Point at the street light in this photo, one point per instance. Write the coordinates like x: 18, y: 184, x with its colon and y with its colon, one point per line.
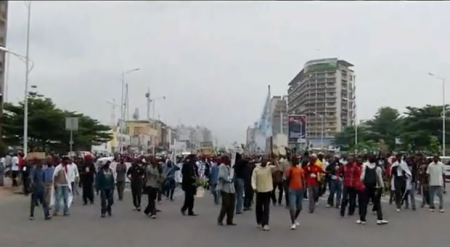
x: 322, y: 118
x: 28, y: 69
x: 442, y: 79
x: 122, y: 104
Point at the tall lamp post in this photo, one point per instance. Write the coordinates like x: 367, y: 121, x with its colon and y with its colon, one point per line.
x: 29, y: 65
x: 442, y: 79
x: 122, y: 104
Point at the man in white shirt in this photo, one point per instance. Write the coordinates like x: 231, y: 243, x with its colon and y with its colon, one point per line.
x: 15, y: 169
x: 74, y: 177
x: 436, y: 176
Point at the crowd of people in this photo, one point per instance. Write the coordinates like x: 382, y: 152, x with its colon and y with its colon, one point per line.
x: 240, y: 183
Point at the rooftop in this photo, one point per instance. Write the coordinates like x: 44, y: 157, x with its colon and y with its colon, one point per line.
x: 296, y: 78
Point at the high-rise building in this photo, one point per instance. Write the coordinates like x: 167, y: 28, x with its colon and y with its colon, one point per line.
x: 324, y: 90
x: 278, y: 113
x: 3, y: 31
x: 251, y: 139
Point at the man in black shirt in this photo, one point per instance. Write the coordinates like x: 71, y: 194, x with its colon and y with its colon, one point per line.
x: 188, y: 184
x: 136, y: 175
x: 87, y: 174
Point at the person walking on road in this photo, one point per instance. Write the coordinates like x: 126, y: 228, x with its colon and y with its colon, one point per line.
x: 154, y: 178
x: 38, y: 178
x: 294, y: 181
x: 262, y: 184
x: 436, y: 174
x: 136, y: 174
x: 63, y: 188
x: 189, y: 184
x: 104, y: 185
x: 371, y: 189
x: 121, y: 170
x: 87, y: 175
x: 226, y: 187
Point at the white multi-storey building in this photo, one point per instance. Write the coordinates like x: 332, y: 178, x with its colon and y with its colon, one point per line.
x: 324, y: 90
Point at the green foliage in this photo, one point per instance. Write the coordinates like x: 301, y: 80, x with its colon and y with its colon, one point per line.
x: 417, y: 129
x: 46, y: 126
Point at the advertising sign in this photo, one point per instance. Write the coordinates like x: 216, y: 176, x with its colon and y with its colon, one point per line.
x: 296, y: 128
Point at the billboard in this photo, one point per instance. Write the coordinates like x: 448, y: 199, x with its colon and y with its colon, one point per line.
x: 296, y: 128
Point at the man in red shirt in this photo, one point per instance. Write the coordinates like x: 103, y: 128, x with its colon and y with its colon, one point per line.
x: 350, y: 174
x: 312, y: 174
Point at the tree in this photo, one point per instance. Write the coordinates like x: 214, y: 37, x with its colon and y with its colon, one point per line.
x: 46, y: 126
x: 384, y: 126
x: 422, y: 127
x: 417, y: 129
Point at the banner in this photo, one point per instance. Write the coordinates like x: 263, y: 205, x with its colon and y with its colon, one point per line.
x: 296, y: 128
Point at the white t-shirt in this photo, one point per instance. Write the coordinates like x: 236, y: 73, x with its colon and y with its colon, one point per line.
x: 436, y: 172
x: 15, y: 163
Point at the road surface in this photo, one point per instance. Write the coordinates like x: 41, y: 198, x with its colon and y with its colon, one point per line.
x: 130, y: 228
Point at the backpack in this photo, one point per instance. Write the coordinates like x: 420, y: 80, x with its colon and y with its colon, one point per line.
x: 371, y: 177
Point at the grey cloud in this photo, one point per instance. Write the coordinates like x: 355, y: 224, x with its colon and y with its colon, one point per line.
x: 214, y: 60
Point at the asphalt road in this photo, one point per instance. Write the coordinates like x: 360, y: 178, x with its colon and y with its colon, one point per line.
x: 129, y: 228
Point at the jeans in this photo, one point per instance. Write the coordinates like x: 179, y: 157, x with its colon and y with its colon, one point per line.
x: 39, y: 197
x: 228, y: 204
x: 88, y: 192
x: 295, y: 199
x: 239, y: 187
x: 281, y: 186
x: 215, y: 193
x: 262, y: 208
x: 169, y: 188
x: 62, y: 194
x: 189, y: 199
x: 120, y: 188
x: 436, y: 190
x: 370, y: 194
x: 136, y: 194
x: 335, y: 187
x: 425, y: 195
x: 411, y: 196
x: 106, y: 200
x: 152, y: 194
x: 313, y: 191
x: 348, y: 197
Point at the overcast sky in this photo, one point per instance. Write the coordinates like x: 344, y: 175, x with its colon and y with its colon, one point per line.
x: 213, y: 61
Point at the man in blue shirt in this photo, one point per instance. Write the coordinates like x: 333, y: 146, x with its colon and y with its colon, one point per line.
x: 39, y: 177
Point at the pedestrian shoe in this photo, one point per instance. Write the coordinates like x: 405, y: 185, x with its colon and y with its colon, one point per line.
x: 48, y: 217
x: 432, y: 210
x: 328, y: 206
x: 360, y: 222
x: 382, y: 222
x: 266, y: 228
x: 31, y: 217
x: 441, y: 210
x: 152, y: 216
x: 220, y: 223
x: 231, y: 224
x: 238, y: 212
x: 293, y: 226
x: 397, y: 210
x: 102, y: 215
